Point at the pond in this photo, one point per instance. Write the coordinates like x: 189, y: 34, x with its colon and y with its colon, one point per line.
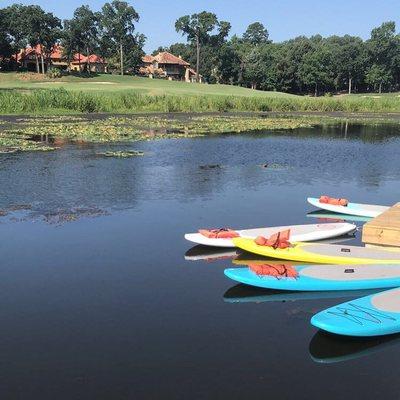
x: 101, y: 296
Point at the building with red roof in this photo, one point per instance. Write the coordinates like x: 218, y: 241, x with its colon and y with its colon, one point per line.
x: 168, y: 66
x: 29, y: 57
x: 93, y: 63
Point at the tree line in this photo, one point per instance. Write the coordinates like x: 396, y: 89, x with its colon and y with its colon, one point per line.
x: 301, y: 65
x: 109, y: 33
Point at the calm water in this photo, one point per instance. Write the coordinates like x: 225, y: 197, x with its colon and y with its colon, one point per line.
x: 97, y: 300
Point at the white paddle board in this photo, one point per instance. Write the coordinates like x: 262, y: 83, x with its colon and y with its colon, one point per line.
x: 362, y: 210
x: 298, y: 233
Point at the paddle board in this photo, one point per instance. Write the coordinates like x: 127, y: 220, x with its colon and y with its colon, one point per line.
x: 362, y: 210
x: 299, y: 233
x: 323, y: 277
x: 374, y: 315
x: 323, y: 253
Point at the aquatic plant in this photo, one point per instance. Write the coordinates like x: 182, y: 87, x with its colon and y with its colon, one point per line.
x: 122, y: 154
x: 48, y: 132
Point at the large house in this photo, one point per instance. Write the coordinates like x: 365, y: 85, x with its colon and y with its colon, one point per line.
x: 166, y: 65
x: 93, y: 63
x: 29, y: 57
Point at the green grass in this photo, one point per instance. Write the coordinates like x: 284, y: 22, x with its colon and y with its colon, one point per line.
x: 116, y: 94
x: 114, y: 83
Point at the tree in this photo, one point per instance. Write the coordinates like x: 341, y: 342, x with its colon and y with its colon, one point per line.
x: 49, y: 35
x: 316, y: 68
x: 5, y: 45
x: 15, y: 27
x: 86, y: 26
x: 31, y: 25
x: 134, y: 51
x: 382, y: 49
x: 81, y: 33
x: 351, y: 60
x: 377, y: 76
x: 256, y: 34
x: 71, y: 40
x: 197, y: 28
x: 118, y: 23
x: 42, y: 30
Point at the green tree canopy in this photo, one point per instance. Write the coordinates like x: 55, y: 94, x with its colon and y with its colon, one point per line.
x: 256, y: 34
x: 197, y: 28
x: 81, y: 33
x: 117, y: 20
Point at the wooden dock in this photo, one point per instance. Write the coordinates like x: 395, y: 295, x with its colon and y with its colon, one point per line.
x: 383, y: 230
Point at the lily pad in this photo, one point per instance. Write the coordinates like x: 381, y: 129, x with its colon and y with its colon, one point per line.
x: 122, y: 154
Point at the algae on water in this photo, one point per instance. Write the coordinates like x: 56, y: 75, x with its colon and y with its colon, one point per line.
x: 121, y: 154
x: 45, y: 133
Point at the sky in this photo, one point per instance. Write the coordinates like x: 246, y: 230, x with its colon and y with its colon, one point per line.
x: 284, y: 19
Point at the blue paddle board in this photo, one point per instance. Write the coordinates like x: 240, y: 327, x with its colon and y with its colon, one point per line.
x: 323, y: 277
x: 374, y: 315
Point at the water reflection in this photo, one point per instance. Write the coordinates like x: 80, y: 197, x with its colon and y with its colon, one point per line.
x: 326, y: 348
x: 247, y: 294
x: 324, y: 216
x: 74, y: 177
x: 113, y: 299
x: 209, y: 254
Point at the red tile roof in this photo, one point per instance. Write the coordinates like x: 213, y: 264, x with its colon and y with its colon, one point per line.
x: 147, y: 59
x: 165, y: 58
x: 93, y: 58
x: 168, y: 58
x: 57, y: 54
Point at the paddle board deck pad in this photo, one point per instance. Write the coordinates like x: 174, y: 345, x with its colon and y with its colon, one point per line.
x: 323, y: 253
x: 362, y: 210
x: 374, y: 315
x: 298, y: 233
x: 323, y: 277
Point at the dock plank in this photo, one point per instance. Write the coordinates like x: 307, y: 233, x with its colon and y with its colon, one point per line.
x: 384, y: 230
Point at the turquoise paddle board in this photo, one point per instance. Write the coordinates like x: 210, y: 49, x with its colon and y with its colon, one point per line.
x: 374, y: 315
x: 323, y: 277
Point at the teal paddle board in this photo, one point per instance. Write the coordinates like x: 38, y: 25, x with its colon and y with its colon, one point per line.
x: 322, y: 277
x: 374, y: 315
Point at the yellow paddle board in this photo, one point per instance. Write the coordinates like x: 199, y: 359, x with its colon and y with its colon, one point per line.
x: 323, y: 253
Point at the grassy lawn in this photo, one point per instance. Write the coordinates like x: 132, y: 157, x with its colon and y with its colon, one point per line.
x: 115, y: 83
x: 34, y: 94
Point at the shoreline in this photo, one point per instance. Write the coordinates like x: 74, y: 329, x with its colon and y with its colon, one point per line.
x: 184, y: 115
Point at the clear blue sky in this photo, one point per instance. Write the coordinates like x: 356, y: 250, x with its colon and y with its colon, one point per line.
x: 284, y: 19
